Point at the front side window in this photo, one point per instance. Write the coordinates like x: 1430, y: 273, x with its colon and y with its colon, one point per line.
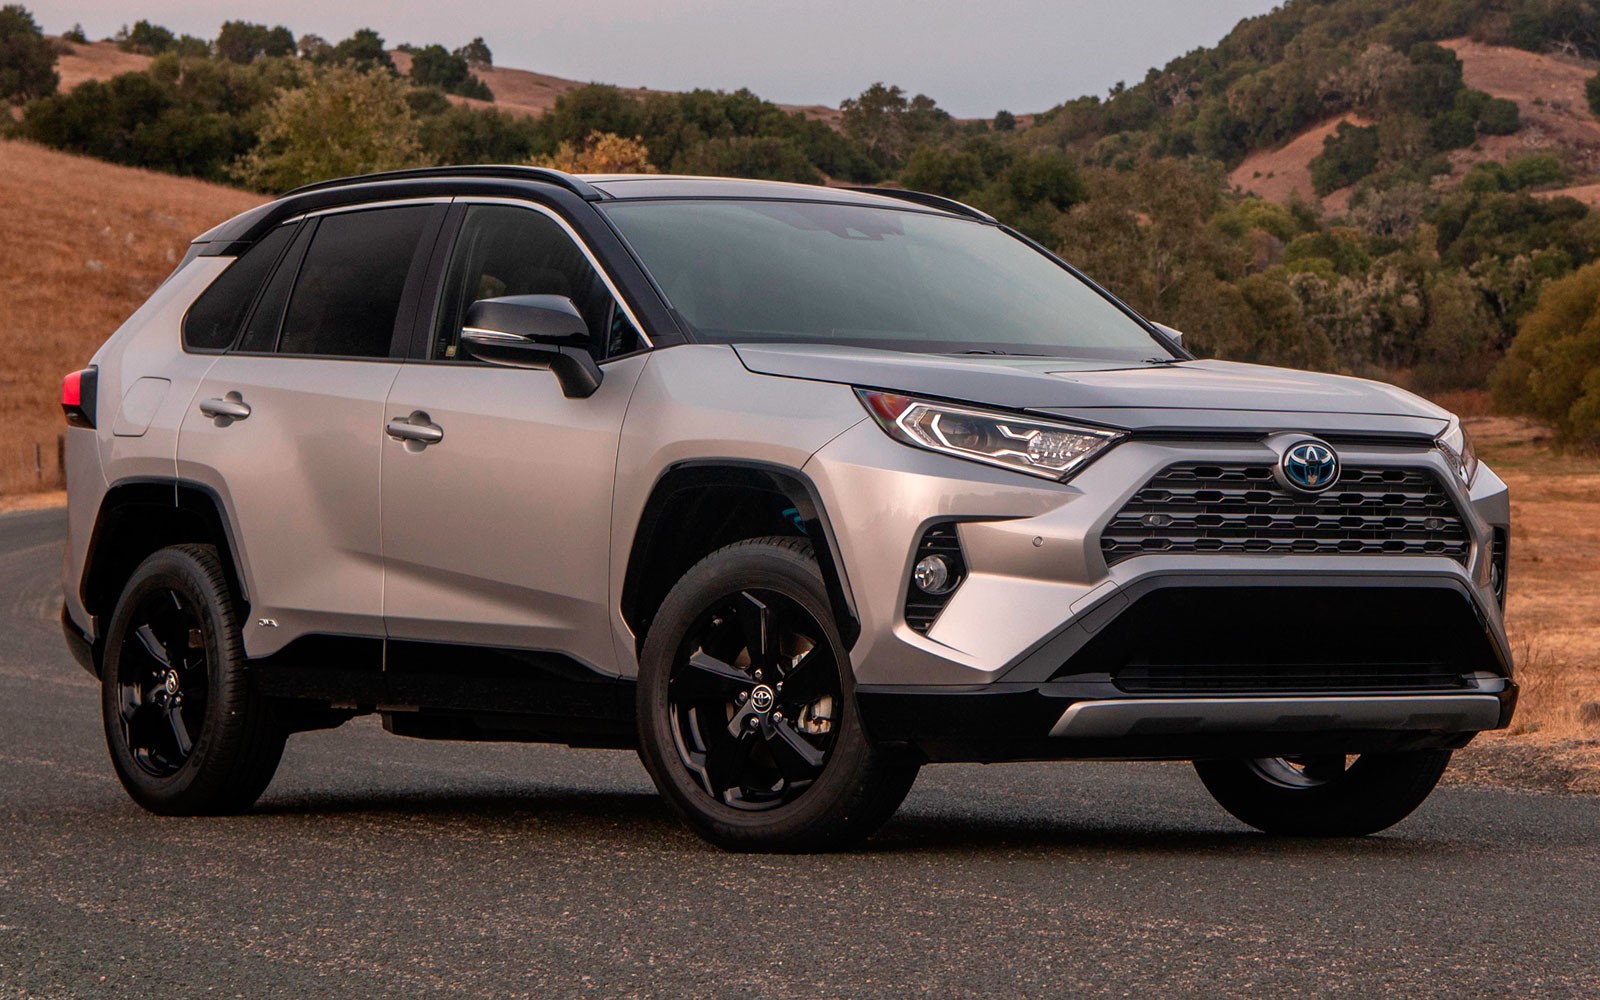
x: 504, y: 250
x: 858, y: 275
x: 213, y: 321
x: 347, y: 295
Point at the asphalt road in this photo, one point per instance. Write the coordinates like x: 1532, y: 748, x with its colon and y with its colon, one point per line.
x: 378, y: 866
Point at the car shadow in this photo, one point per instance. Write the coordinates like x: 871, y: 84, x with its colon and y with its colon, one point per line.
x: 624, y: 819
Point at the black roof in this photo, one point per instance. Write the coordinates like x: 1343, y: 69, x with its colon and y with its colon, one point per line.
x: 512, y: 181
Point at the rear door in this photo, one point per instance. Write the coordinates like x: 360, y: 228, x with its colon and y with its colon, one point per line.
x: 288, y: 425
x: 498, y: 534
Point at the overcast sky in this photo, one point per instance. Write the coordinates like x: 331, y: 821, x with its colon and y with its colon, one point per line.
x: 972, y: 57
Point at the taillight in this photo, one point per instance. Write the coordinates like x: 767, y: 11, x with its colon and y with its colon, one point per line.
x: 78, y: 396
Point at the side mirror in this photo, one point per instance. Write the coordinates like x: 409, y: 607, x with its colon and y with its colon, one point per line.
x: 1176, y: 335
x: 533, y: 331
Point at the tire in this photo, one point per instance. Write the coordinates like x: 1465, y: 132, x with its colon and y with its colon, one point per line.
x: 1321, y: 796
x: 711, y: 708
x: 158, y: 695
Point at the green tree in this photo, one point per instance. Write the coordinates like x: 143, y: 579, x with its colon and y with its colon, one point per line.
x: 476, y: 53
x: 146, y: 39
x: 1552, y: 370
x: 27, y: 59
x: 344, y: 122
x: 1004, y: 121
x: 1591, y: 90
x: 75, y: 35
x: 942, y: 171
x: 760, y: 157
x: 436, y: 66
x: 889, y: 124
x: 362, y: 51
x: 244, y: 42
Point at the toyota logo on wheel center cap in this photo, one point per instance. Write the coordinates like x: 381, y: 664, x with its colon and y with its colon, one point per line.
x: 761, y: 699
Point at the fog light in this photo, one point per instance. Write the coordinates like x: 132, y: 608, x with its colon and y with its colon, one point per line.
x: 933, y: 576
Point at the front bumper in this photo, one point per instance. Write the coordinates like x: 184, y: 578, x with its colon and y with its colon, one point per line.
x: 1014, y: 650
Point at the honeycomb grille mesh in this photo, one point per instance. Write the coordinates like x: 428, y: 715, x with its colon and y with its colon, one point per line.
x: 1195, y: 508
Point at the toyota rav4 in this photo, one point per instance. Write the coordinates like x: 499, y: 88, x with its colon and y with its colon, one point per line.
x: 792, y: 489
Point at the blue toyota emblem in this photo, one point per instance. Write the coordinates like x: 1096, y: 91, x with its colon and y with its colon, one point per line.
x: 1310, y: 466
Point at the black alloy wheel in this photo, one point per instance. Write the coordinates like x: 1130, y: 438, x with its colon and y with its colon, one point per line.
x: 163, y: 682
x: 746, y: 708
x: 187, y: 731
x: 753, y: 699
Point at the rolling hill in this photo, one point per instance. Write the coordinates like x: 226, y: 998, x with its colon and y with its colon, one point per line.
x: 82, y: 244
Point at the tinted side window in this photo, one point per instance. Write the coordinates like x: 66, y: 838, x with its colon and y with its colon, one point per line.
x: 504, y: 250
x: 348, y: 292
x: 213, y: 320
x: 261, y: 330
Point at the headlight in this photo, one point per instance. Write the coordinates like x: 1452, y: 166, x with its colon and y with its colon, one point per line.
x: 1457, y: 448
x: 1043, y: 448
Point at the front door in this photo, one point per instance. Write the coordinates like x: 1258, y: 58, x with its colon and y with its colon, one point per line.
x: 496, y: 536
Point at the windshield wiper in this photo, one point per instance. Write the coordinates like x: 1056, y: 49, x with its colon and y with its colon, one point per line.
x: 1159, y: 361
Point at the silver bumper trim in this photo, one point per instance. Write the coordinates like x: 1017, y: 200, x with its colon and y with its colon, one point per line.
x: 1452, y: 713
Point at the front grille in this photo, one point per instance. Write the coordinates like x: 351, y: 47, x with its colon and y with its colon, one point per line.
x: 1219, y: 678
x: 1198, y: 508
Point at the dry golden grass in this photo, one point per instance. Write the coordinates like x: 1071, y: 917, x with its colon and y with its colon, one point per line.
x: 95, y: 61
x: 1553, y: 612
x: 82, y: 245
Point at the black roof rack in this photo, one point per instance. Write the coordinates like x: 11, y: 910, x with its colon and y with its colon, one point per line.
x: 927, y: 201
x: 579, y: 187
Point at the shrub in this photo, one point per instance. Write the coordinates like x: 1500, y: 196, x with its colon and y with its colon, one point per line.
x: 1591, y: 90
x: 1536, y: 170
x: 1348, y: 155
x: 27, y: 58
x: 1552, y: 370
x: 1499, y: 117
x: 600, y: 153
x: 75, y: 34
x: 1004, y: 121
x: 1452, y: 130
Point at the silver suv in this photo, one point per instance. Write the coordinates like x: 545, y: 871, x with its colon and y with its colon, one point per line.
x: 793, y: 489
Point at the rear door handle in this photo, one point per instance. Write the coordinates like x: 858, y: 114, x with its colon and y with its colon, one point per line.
x: 230, y: 407
x: 416, y: 427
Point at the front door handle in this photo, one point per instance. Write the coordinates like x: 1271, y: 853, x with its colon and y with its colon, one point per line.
x: 229, y: 408
x: 415, y: 428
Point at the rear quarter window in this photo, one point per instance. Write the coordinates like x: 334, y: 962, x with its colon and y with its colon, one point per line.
x: 213, y: 321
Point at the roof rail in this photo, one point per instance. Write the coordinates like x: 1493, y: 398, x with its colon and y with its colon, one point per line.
x: 927, y: 201
x: 581, y: 188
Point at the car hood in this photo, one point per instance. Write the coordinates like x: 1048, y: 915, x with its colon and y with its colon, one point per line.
x: 1181, y: 396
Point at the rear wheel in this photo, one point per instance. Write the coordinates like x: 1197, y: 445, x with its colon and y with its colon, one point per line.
x: 1326, y: 795
x: 747, y: 718
x: 186, y: 733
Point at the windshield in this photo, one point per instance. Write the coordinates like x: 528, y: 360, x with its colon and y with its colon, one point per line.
x: 786, y: 272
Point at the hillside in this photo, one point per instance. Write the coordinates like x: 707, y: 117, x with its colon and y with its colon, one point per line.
x: 82, y: 244
x: 1555, y: 118
x: 517, y: 91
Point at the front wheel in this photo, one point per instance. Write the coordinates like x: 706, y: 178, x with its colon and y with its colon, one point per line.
x: 1324, y: 795
x: 747, y: 718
